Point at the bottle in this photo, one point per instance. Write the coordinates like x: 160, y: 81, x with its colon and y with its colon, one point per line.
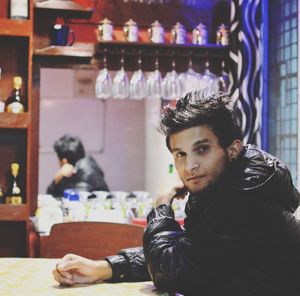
x: 76, y: 208
x: 1, y: 195
x: 19, y: 9
x: 14, y: 195
x: 15, y: 103
x: 2, y: 104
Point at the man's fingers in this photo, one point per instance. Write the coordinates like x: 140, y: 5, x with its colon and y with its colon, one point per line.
x: 68, y: 265
x: 69, y: 261
x: 61, y: 279
x: 181, y: 192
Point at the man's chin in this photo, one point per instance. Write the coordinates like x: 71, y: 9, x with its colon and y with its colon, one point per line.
x: 196, y: 190
x: 199, y: 190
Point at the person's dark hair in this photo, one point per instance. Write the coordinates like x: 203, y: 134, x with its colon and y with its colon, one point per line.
x: 70, y: 148
x: 197, y: 109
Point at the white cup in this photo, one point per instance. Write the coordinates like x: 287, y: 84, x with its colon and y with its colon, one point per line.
x: 2, y: 106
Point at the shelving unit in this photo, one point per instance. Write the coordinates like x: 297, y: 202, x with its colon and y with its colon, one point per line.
x: 10, y: 27
x: 14, y: 213
x: 166, y: 53
x: 18, y: 136
x: 63, y: 8
x: 81, y: 53
x: 14, y: 121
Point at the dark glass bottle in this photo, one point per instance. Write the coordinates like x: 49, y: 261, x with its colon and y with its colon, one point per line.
x: 15, y: 103
x: 1, y: 195
x: 14, y: 194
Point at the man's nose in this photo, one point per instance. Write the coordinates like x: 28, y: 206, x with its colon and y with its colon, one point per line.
x: 192, y: 163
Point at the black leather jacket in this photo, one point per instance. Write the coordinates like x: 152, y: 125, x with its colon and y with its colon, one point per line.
x: 240, y: 238
x: 88, y: 177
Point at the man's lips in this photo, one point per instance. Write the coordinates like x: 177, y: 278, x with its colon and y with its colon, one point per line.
x: 194, y: 178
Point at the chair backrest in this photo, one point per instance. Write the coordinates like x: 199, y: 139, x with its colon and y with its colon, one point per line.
x: 94, y: 240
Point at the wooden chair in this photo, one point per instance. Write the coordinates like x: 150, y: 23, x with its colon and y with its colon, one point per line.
x: 94, y: 240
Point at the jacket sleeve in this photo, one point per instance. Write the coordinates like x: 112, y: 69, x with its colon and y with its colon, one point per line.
x: 129, y: 265
x: 56, y: 189
x: 182, y: 262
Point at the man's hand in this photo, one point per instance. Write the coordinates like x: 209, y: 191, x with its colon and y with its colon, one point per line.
x: 178, y: 192
x: 74, y: 269
x: 67, y: 170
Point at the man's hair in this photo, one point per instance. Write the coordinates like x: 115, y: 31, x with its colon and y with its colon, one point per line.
x: 196, y: 109
x: 69, y: 147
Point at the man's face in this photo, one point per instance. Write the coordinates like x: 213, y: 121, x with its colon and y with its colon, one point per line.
x: 199, y: 159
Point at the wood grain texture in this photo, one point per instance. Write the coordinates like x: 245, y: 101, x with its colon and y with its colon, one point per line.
x: 94, y: 240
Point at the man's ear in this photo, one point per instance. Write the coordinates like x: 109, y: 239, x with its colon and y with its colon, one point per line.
x: 234, y: 149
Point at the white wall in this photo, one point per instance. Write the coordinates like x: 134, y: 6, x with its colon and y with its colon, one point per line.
x: 157, y: 155
x: 111, y: 131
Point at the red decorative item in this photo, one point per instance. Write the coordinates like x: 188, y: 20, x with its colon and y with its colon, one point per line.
x: 85, y: 3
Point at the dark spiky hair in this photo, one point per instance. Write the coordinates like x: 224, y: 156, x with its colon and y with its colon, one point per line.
x: 195, y: 108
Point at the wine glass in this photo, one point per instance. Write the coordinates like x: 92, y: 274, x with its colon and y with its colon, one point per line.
x: 209, y: 81
x: 223, y: 80
x: 103, y: 86
x: 154, y: 82
x: 137, y: 87
x: 171, y: 87
x: 120, y: 86
x: 189, y: 80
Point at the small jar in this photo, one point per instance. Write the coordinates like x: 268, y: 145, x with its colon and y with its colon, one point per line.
x: 131, y: 31
x: 105, y: 29
x: 156, y: 33
x: 222, y: 35
x: 200, y: 35
x: 178, y: 34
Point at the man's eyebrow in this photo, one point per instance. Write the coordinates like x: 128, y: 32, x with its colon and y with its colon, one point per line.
x: 204, y: 141
x: 175, y: 149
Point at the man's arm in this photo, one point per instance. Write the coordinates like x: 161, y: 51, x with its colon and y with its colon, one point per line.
x: 180, y: 261
x: 61, y: 180
x: 128, y: 265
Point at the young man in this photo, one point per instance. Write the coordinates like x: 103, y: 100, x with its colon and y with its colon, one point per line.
x: 240, y: 235
x: 77, y: 170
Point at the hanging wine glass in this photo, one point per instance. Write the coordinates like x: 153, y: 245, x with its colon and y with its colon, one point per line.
x: 209, y: 81
x: 171, y: 87
x: 103, y: 86
x: 137, y: 89
x: 154, y: 82
x: 189, y: 80
x: 120, y: 87
x: 223, y: 80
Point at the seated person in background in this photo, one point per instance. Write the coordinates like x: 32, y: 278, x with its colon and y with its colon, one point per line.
x: 76, y: 170
x: 240, y: 236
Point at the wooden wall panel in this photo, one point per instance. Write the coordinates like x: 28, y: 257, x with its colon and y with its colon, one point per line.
x: 13, y: 239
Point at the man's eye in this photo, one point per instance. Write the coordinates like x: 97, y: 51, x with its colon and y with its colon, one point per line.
x: 179, y: 155
x: 201, y: 149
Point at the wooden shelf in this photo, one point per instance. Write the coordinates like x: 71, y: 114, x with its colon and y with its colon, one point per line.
x: 10, y: 27
x: 79, y: 50
x: 79, y: 53
x: 63, y: 9
x: 13, y: 120
x: 13, y: 212
x: 166, y: 53
x: 168, y: 49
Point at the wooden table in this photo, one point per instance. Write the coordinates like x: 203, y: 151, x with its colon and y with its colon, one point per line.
x: 31, y: 277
